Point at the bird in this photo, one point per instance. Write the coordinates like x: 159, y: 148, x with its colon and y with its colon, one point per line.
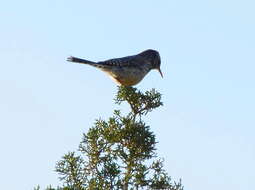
x: 129, y: 70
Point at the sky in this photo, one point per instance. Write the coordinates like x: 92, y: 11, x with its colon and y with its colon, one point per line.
x: 205, y: 130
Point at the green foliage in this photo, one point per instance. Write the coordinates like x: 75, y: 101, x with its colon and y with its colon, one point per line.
x: 71, y: 170
x: 118, y: 153
x: 140, y: 103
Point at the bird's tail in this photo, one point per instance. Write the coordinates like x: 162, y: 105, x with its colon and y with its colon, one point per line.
x: 78, y: 60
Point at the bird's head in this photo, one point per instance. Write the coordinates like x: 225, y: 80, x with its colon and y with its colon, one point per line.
x: 153, y: 58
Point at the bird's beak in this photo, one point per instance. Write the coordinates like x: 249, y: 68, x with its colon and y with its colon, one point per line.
x: 160, y: 72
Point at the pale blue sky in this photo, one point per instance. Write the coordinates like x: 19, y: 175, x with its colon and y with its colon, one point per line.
x: 206, y: 127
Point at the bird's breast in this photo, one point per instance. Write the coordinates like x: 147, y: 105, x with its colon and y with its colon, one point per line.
x: 127, y: 76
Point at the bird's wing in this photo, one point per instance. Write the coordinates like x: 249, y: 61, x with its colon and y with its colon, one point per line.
x: 129, y: 61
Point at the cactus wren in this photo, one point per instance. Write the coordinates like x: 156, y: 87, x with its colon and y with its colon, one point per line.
x: 127, y: 71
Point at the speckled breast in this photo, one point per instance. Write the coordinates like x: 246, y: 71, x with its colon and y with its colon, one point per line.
x: 127, y: 77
